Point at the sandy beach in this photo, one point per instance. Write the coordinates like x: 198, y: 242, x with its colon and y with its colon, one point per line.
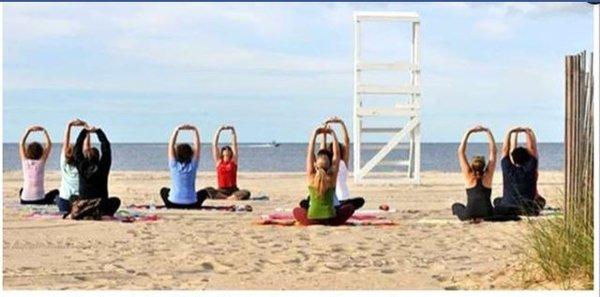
x: 427, y: 249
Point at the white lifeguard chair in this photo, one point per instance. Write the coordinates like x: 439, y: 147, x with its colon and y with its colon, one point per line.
x: 405, y: 114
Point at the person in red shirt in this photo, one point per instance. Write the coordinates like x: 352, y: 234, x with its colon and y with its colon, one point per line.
x: 226, y: 164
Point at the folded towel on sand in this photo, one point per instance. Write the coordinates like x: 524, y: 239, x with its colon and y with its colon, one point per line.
x: 284, y: 218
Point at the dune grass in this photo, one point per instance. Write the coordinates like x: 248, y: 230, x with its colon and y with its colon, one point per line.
x: 559, y: 252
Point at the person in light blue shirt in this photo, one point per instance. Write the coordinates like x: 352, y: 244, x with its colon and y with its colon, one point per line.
x: 183, y: 165
x: 69, y: 182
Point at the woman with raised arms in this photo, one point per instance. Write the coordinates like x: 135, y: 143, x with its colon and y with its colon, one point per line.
x: 321, y: 176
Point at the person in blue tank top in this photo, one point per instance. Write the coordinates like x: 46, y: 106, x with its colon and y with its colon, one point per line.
x: 183, y: 165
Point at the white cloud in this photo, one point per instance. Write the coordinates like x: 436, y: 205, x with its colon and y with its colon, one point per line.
x: 493, y: 28
x: 537, y: 9
x: 34, y: 28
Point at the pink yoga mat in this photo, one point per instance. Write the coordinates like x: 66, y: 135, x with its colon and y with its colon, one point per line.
x: 284, y: 218
x: 289, y: 215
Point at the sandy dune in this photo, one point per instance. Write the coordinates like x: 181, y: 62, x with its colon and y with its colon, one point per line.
x: 207, y: 250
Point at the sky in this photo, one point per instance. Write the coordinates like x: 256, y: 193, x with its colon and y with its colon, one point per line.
x: 276, y: 70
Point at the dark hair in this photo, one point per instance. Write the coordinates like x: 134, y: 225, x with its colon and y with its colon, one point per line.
x: 34, y: 151
x: 326, y: 153
x: 340, y: 147
x: 520, y: 155
x: 183, y: 153
x: 69, y: 156
x: 478, y: 166
x: 226, y: 148
x: 92, y: 154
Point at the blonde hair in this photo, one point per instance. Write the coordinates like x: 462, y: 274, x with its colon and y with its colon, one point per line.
x: 321, y: 180
x: 478, y: 166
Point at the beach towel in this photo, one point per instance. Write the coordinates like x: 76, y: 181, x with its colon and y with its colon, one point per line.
x: 359, y: 218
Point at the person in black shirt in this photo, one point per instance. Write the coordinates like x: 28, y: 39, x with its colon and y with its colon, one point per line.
x: 478, y: 180
x: 93, y: 171
x: 519, y: 174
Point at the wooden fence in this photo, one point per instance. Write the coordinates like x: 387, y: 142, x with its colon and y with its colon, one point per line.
x: 579, y: 139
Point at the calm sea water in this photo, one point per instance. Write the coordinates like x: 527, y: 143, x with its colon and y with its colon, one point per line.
x: 288, y: 157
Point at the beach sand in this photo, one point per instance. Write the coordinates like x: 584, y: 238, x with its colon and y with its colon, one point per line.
x: 427, y: 249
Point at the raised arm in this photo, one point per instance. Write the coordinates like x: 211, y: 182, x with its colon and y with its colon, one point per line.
x: 67, y: 135
x: 346, y: 152
x: 492, y: 150
x: 506, y: 146
x: 215, y: 147
x: 197, y: 144
x: 67, y: 138
x: 47, y: 145
x: 22, y: 146
x: 234, y: 144
x: 336, y: 151
x: 78, y: 149
x: 462, y: 151
x: 87, y: 144
x: 104, y: 147
x: 323, y: 145
x: 514, y: 141
x: 531, y: 142
x: 310, y: 153
x: 172, y: 143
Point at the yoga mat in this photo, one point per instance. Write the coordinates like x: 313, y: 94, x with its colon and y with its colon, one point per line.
x: 360, y: 211
x: 123, y: 216
x: 229, y: 208
x: 365, y: 218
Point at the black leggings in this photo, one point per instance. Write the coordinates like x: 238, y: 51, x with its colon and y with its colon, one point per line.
x: 356, y: 203
x: 201, y: 195
x: 460, y: 210
x: 48, y: 198
x: 109, y: 206
x: 525, y: 207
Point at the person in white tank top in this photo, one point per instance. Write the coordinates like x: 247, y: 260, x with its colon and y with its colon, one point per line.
x: 342, y: 193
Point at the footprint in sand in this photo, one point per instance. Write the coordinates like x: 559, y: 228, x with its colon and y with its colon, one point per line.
x: 335, y: 266
x: 80, y: 277
x: 207, y: 266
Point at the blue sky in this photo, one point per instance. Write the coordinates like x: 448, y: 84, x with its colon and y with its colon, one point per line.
x: 275, y: 70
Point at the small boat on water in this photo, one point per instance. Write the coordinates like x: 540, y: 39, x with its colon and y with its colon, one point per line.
x: 265, y: 145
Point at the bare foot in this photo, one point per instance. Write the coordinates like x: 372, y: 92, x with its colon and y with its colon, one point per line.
x: 477, y: 221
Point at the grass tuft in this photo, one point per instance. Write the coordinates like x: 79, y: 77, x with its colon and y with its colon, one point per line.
x: 560, y: 252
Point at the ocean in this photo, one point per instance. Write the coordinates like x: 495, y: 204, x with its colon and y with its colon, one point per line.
x: 287, y: 157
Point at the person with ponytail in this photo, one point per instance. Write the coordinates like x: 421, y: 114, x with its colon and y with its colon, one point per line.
x: 342, y: 193
x: 321, y: 176
x: 478, y: 180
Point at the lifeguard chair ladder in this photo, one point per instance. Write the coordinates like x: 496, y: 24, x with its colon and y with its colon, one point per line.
x: 407, y: 113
